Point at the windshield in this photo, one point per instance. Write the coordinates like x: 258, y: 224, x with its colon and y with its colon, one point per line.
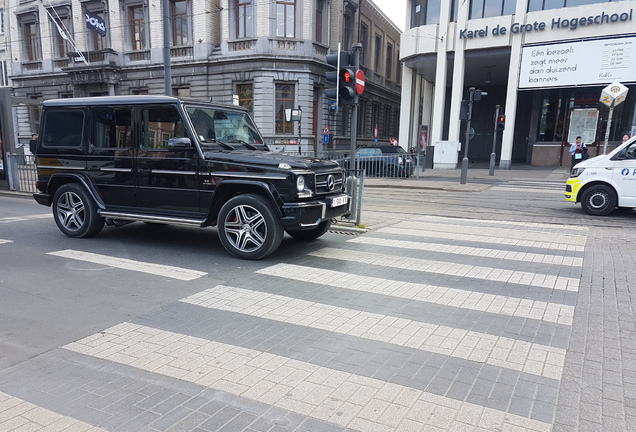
x: 223, y: 126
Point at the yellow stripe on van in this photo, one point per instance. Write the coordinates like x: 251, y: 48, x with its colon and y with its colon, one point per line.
x: 575, y: 184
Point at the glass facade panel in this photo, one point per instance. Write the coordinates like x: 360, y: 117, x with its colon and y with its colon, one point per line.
x: 425, y: 12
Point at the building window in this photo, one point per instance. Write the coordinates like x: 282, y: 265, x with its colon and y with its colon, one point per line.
x: 347, y: 38
x: 364, y: 41
x: 246, y: 96
x: 491, y: 8
x: 180, y: 23
x: 320, y: 16
x: 378, y: 53
x: 1, y: 20
x: 136, y: 22
x: 389, y: 61
x: 537, y: 5
x: 95, y: 41
x: 60, y: 32
x: 284, y: 100
x: 425, y: 12
x: 285, y: 14
x: 4, y: 74
x: 181, y: 91
x: 244, y: 19
x: 31, y: 41
x: 398, y: 72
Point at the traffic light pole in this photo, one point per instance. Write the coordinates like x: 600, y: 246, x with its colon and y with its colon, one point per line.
x: 355, y: 48
x: 493, y: 155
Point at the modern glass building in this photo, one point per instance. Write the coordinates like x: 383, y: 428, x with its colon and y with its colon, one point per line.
x: 544, y: 62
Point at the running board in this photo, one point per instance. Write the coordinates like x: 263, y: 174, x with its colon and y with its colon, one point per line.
x: 149, y: 218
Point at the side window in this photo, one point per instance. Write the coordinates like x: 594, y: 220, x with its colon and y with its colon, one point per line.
x: 377, y: 152
x: 159, y: 125
x: 111, y: 128
x: 63, y: 128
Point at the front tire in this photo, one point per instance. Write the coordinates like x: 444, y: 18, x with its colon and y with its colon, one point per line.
x: 599, y: 200
x: 249, y: 227
x: 75, y: 212
x: 313, y: 233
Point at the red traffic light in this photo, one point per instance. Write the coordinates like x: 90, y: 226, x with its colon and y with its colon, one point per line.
x: 502, y: 119
x: 347, y: 76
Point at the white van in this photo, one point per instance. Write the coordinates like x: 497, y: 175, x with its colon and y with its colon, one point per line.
x: 605, y: 182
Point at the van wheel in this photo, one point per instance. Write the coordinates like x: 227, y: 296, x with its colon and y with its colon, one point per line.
x: 599, y: 200
x: 75, y: 212
x: 249, y: 227
x: 311, y: 234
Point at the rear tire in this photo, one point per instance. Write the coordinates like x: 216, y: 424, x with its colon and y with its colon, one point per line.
x: 311, y: 234
x: 599, y: 200
x: 75, y: 212
x: 249, y: 227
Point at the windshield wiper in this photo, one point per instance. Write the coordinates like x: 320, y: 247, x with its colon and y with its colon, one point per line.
x: 246, y: 144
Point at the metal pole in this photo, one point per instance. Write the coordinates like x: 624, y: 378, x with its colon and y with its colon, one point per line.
x: 607, y: 130
x: 166, y: 49
x: 464, y: 173
x: 299, y: 133
x: 356, y: 48
x: 493, y: 156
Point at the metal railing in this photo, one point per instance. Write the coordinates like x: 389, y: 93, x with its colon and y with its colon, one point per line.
x: 21, y: 172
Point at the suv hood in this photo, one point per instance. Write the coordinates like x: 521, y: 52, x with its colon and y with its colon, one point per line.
x: 269, y: 159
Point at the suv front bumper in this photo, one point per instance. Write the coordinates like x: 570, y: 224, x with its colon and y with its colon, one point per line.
x: 312, y: 213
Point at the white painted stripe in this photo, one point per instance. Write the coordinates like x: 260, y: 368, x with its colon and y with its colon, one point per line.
x: 525, y: 226
x: 464, y: 299
x: 474, y: 238
x: 349, y: 400
x: 452, y: 269
x: 472, y: 251
x: 19, y: 415
x: 127, y: 264
x: 2, y: 241
x: 526, y: 189
x: 504, y: 352
x: 521, y: 234
x: 25, y: 218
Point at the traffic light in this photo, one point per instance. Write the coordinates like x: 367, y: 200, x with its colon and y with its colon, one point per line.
x: 337, y: 61
x: 501, y: 122
x: 347, y: 91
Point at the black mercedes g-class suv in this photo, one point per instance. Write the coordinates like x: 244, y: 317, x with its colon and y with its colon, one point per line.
x: 158, y: 159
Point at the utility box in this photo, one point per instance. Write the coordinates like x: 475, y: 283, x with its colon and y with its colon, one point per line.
x: 446, y: 154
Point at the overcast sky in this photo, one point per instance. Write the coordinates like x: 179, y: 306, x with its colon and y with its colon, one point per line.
x: 394, y: 9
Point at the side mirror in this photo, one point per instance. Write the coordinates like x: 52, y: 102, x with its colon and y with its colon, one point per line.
x: 177, y: 143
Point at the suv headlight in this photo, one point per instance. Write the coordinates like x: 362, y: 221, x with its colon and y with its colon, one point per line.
x: 300, y: 183
x: 576, y: 172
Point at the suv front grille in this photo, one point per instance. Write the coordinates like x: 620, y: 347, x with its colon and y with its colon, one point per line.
x: 329, y: 182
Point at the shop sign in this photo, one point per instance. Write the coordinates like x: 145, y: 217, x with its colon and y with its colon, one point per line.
x: 589, y: 62
x: 556, y: 23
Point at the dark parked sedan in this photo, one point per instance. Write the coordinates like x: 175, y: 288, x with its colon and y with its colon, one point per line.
x: 383, y: 161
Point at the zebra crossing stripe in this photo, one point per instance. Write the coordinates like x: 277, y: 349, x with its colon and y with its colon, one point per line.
x: 2, y: 241
x: 122, y: 263
x: 473, y: 238
x: 19, y: 415
x: 472, y: 251
x: 527, y: 226
x: 555, y: 237
x: 527, y: 189
x: 342, y: 398
x: 472, y: 300
x: 452, y: 269
x: 25, y: 218
x: 504, y: 352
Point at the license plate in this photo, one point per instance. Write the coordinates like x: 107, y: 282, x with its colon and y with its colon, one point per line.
x: 338, y: 201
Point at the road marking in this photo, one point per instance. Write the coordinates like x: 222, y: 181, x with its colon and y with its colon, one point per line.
x: 452, y: 269
x: 19, y: 415
x: 2, y: 241
x: 498, y: 351
x: 520, y: 234
x: 122, y: 263
x: 489, y: 222
x: 471, y: 300
x: 25, y: 218
x: 472, y: 251
x: 480, y: 239
x: 526, y: 189
x: 346, y: 399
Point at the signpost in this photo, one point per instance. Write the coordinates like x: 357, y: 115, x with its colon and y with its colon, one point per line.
x: 611, y: 96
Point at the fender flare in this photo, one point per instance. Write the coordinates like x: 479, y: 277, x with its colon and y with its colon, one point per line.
x: 59, y: 179
x: 229, y: 188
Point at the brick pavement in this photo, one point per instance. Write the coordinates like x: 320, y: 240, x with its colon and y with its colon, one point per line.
x: 429, y: 323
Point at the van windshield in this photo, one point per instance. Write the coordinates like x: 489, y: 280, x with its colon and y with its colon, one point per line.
x: 224, y: 127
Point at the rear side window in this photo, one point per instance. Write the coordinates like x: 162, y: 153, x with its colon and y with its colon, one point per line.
x: 111, y: 128
x: 63, y: 128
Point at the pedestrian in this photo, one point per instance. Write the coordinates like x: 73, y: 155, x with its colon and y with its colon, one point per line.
x: 33, y: 143
x: 394, y: 141
x: 625, y: 138
x: 577, y: 150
